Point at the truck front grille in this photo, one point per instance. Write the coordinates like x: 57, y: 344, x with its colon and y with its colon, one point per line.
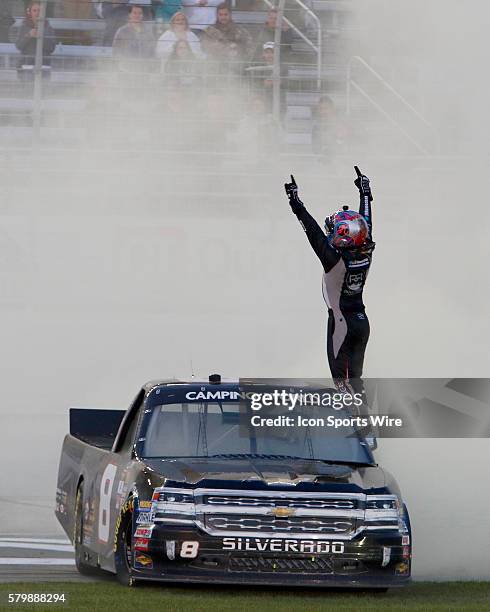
x: 288, y: 502
x: 280, y: 513
x: 271, y: 524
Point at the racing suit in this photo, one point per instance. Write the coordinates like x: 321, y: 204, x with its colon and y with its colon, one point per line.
x: 344, y: 276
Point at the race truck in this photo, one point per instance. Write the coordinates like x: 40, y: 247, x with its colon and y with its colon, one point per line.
x: 181, y: 487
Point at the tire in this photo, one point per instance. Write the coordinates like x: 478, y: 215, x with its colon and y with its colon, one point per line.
x: 123, y: 546
x: 83, y: 567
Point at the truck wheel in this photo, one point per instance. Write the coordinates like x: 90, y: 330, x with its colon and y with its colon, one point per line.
x: 123, y: 546
x: 82, y: 566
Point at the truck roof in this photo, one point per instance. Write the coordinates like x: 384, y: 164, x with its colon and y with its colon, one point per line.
x: 180, y: 381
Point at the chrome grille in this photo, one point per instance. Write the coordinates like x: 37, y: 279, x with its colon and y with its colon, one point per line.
x: 268, y: 524
x: 293, y: 502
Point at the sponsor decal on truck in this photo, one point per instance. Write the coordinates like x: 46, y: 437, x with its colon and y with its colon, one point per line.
x: 279, y: 545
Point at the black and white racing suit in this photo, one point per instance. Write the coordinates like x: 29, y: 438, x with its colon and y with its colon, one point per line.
x: 344, y: 276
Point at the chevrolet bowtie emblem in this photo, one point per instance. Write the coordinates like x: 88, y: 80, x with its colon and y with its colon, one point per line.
x: 282, y: 512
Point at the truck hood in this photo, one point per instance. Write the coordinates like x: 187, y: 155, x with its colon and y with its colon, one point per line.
x: 255, y: 473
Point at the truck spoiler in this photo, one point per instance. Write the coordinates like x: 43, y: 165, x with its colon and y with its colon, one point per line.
x: 95, y: 426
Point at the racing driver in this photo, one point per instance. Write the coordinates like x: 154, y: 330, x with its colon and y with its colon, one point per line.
x: 345, y: 253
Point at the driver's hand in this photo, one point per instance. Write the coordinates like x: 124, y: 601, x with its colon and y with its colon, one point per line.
x: 291, y: 189
x: 292, y: 193
x: 362, y: 183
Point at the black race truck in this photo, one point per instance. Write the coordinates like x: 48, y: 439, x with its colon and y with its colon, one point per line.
x: 177, y: 489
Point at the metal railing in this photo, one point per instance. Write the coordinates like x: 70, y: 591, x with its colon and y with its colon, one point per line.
x: 316, y: 47
x: 81, y: 92
x: 147, y: 104
x: 351, y: 83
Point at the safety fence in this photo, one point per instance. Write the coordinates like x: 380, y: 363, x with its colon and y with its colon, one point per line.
x: 197, y: 103
x: 87, y: 90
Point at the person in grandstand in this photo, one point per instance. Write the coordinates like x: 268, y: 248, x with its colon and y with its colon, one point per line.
x: 134, y: 40
x: 224, y: 35
x: 261, y: 76
x: 115, y: 15
x: 256, y: 130
x: 330, y: 130
x: 28, y: 33
x: 345, y: 253
x: 178, y: 30
x: 267, y: 34
x: 182, y: 67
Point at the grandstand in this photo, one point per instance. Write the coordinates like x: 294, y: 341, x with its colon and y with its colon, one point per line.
x: 87, y: 97
x: 77, y: 69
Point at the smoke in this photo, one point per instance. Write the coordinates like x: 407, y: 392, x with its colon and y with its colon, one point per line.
x: 426, y: 297
x: 425, y: 300
x: 140, y: 249
x: 434, y: 53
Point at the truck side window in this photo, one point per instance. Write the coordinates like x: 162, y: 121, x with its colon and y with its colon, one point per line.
x: 126, y: 443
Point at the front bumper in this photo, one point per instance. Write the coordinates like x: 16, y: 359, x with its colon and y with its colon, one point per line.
x: 370, y: 560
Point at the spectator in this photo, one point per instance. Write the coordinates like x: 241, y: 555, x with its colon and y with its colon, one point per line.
x: 166, y: 9
x: 225, y: 38
x: 116, y: 15
x: 213, y: 134
x: 329, y: 131
x: 256, y: 131
x: 28, y: 33
x: 261, y: 74
x: 135, y: 40
x: 268, y: 32
x: 200, y: 13
x: 179, y: 30
x: 27, y: 3
x: 182, y: 65
x: 6, y: 21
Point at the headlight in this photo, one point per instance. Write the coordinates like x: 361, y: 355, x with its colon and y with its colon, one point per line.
x: 383, y: 512
x: 382, y: 504
x: 173, y: 497
x: 174, y: 505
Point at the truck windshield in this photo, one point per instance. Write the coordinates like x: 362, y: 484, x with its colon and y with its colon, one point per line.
x: 210, y: 429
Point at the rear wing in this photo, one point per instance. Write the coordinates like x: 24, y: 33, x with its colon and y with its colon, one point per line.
x: 96, y: 426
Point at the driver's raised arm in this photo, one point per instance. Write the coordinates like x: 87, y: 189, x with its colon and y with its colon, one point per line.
x: 366, y: 197
x: 316, y: 237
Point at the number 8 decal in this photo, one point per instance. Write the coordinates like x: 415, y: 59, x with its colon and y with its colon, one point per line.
x: 106, y: 484
x: 189, y: 550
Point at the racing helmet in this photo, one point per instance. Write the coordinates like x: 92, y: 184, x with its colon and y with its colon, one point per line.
x: 346, y: 229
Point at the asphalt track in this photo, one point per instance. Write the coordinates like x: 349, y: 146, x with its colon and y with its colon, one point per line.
x: 37, y: 559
